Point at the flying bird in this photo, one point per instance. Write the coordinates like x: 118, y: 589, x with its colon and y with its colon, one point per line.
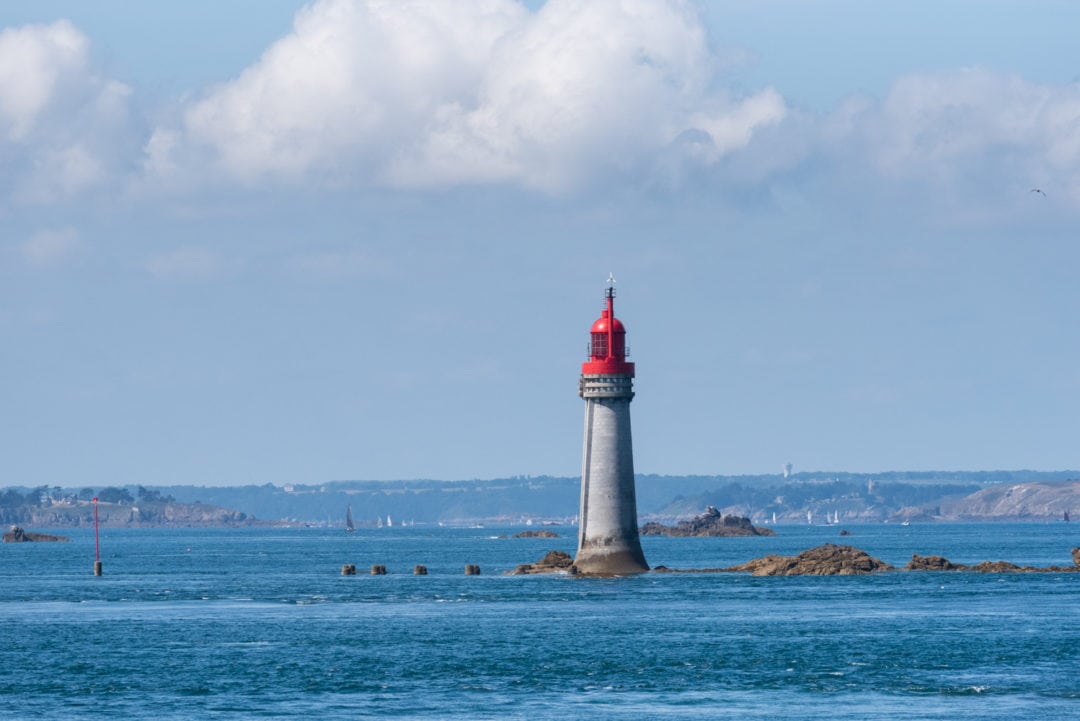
x: 1039, y: 191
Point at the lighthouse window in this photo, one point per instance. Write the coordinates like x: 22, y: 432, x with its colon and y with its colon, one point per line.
x: 599, y: 345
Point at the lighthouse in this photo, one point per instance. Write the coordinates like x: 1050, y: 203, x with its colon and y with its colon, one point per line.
x: 608, y: 542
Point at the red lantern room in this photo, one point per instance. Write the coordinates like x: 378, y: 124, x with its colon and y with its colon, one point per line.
x: 607, y: 342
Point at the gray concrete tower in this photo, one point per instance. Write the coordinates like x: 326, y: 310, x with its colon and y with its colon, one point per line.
x: 608, y: 542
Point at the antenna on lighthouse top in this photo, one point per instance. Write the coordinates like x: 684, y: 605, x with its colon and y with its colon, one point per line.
x: 611, y: 285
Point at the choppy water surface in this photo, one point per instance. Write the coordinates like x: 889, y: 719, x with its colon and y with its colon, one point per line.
x: 259, y: 623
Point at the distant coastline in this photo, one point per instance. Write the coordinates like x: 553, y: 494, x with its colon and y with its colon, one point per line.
x: 814, y: 498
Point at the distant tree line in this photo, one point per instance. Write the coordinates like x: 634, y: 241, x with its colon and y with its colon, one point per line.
x: 791, y: 496
x: 45, y: 496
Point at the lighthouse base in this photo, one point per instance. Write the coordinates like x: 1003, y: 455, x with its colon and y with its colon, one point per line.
x: 597, y: 559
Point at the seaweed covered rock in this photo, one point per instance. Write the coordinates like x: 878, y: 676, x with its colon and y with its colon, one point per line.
x: 996, y: 567
x: 930, y: 563
x: 938, y: 563
x: 826, y: 560
x: 552, y: 562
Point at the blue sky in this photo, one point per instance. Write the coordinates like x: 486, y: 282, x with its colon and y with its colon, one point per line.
x: 278, y: 241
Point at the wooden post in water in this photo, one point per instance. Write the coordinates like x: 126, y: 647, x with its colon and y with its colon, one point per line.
x: 419, y: 570
x: 349, y: 569
x: 472, y: 570
x: 97, y: 545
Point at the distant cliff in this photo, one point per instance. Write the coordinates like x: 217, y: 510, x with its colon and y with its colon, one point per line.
x: 1015, y: 502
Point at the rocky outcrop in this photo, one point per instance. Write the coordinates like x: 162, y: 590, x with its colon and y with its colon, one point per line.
x: 536, y: 534
x: 929, y: 563
x: 938, y: 563
x: 827, y: 560
x: 710, y: 523
x: 552, y: 562
x: 18, y: 535
x: 833, y: 560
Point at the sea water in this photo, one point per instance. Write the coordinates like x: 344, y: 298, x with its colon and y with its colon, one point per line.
x: 259, y: 623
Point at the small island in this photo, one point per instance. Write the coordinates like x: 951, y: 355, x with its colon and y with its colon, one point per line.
x: 710, y: 523
x: 536, y: 534
x: 18, y: 535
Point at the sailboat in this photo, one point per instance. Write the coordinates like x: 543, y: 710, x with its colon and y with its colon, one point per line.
x: 389, y: 523
x: 349, y: 525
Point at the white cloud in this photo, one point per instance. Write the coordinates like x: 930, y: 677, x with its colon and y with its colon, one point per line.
x: 966, y: 131
x: 50, y: 247
x: 587, y: 89
x: 64, y: 128
x: 352, y: 81
x: 429, y: 94
x: 421, y: 94
x: 35, y: 62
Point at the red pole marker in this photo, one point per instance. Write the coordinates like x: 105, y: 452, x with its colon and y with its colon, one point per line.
x: 97, y: 545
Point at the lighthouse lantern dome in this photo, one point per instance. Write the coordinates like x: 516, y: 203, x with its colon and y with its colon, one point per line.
x: 607, y: 342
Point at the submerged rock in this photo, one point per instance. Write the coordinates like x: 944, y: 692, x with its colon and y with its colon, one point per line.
x: 552, y: 562
x: 827, y: 560
x: 18, y: 535
x: 710, y: 523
